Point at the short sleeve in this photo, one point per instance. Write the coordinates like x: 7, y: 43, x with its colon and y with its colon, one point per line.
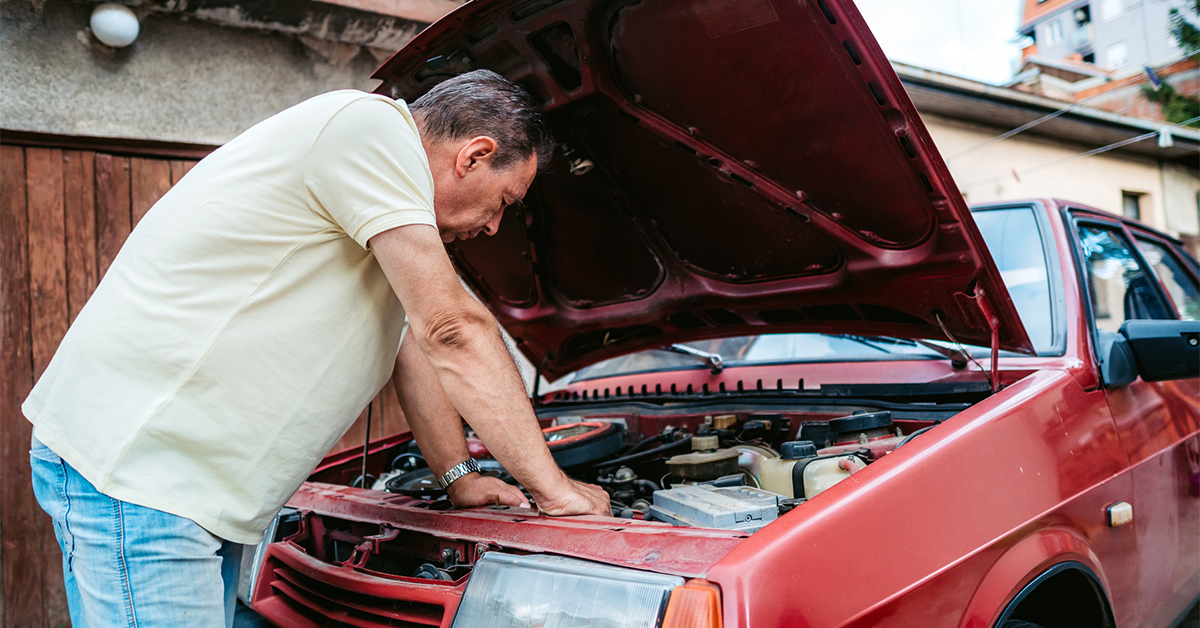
x: 368, y: 171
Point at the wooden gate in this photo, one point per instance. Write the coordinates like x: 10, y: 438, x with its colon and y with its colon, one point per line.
x: 66, y: 207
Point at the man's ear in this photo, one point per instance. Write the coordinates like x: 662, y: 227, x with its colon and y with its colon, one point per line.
x: 477, y: 152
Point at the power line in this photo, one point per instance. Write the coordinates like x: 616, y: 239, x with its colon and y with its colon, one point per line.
x: 1054, y: 114
x: 1089, y: 153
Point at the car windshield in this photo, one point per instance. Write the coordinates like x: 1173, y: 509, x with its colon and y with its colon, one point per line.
x: 1012, y: 237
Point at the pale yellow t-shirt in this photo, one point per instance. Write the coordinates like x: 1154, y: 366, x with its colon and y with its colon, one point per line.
x: 244, y: 324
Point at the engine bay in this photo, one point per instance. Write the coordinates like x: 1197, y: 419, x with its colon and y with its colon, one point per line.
x: 688, y: 481
x: 732, y: 467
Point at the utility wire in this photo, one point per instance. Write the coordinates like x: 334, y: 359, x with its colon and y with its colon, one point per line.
x: 1089, y: 153
x: 1054, y: 114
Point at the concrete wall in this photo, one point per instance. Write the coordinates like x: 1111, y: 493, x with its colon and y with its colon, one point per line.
x: 183, y: 79
x: 1181, y: 187
x: 1098, y: 181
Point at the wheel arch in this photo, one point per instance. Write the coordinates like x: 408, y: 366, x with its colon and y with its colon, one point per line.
x: 1042, y: 600
x: 1031, y: 564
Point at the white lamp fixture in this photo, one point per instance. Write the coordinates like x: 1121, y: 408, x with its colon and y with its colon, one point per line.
x: 114, y: 25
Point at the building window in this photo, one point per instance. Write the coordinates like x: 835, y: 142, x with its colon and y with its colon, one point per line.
x: 1118, y: 55
x: 1054, y: 32
x: 1110, y: 9
x: 1131, y: 205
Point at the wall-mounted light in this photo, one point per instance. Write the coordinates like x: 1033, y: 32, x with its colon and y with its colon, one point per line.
x: 114, y: 25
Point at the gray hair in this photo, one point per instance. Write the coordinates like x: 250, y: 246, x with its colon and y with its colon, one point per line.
x: 484, y: 103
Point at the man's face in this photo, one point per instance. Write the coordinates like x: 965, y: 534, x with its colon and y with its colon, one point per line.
x: 473, y: 202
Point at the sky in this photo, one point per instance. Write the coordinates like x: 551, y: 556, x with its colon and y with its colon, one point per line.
x: 971, y: 38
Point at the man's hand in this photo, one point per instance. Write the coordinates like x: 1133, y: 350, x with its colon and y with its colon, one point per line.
x: 474, y: 489
x: 576, y: 498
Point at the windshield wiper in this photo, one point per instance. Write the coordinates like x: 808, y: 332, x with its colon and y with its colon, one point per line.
x: 877, y: 343
x: 958, y: 358
x: 715, y: 362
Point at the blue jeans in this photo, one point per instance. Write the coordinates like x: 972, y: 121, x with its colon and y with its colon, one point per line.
x: 128, y: 565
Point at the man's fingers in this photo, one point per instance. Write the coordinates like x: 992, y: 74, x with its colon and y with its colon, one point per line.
x: 580, y: 499
x: 511, y: 497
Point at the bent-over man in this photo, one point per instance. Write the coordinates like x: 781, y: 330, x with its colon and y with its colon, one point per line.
x: 250, y: 316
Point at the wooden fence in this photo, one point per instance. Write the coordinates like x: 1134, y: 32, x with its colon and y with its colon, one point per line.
x: 66, y: 206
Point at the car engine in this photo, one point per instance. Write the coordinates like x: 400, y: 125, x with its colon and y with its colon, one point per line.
x: 732, y: 471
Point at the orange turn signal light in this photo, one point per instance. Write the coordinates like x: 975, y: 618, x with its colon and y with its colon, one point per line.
x: 696, y: 604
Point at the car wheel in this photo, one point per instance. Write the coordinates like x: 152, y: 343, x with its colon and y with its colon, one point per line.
x: 1018, y: 623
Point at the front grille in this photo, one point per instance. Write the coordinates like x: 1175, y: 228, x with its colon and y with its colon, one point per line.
x: 297, y: 590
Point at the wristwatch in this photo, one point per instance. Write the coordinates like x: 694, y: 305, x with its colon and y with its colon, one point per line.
x: 459, y: 470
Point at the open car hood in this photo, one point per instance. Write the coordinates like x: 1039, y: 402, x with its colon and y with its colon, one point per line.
x: 725, y: 167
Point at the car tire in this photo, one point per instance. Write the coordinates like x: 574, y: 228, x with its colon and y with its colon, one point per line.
x: 1018, y: 623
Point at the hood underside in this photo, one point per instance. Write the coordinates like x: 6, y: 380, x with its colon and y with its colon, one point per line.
x: 725, y: 167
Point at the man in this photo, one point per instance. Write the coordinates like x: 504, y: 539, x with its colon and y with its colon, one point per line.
x: 251, y: 315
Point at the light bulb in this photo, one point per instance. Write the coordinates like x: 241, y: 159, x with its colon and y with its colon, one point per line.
x: 114, y: 25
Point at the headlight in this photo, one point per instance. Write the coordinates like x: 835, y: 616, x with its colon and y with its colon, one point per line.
x: 508, y: 591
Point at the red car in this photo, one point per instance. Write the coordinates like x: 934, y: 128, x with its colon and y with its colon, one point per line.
x: 820, y: 391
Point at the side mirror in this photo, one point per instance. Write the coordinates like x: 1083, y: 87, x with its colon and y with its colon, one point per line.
x: 1117, y: 365
x: 1164, y: 350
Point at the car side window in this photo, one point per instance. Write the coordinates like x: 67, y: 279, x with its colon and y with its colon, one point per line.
x: 1176, y: 281
x: 1121, y: 289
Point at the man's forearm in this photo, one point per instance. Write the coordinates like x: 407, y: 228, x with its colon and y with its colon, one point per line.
x: 481, y: 380
x: 461, y: 341
x: 433, y: 419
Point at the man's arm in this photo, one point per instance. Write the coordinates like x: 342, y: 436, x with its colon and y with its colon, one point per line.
x: 462, y: 343
x: 438, y: 429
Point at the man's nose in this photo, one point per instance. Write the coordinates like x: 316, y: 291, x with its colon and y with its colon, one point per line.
x: 493, y: 225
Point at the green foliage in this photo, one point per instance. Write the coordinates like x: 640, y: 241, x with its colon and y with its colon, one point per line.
x: 1176, y: 107
x: 1185, y: 31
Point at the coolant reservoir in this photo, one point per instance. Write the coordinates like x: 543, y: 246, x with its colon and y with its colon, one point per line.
x: 802, y: 473
x: 706, y: 462
x: 823, y: 473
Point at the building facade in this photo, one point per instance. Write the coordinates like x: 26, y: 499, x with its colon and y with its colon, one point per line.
x: 1114, y: 55
x: 1112, y: 34
x: 1142, y: 168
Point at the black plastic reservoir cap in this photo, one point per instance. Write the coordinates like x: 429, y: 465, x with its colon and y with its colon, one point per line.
x: 860, y: 422
x: 797, y: 449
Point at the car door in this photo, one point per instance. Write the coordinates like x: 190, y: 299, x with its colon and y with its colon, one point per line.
x: 1137, y: 275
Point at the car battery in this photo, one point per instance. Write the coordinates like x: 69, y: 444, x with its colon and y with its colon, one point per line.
x: 742, y: 508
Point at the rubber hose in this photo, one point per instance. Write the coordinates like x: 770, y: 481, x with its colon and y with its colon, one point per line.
x: 648, y: 484
x: 644, y: 442
x: 914, y: 435
x: 649, y: 453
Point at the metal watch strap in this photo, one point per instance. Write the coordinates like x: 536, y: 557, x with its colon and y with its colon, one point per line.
x: 459, y: 470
